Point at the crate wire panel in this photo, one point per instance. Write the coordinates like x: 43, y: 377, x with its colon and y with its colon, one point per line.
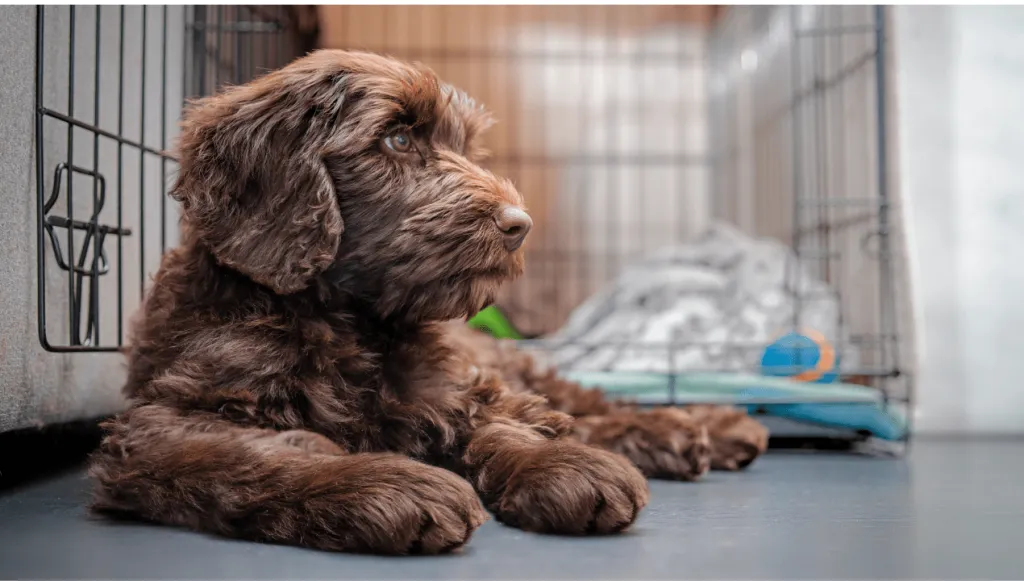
x: 799, y: 106
x: 98, y: 151
x: 789, y: 144
x: 773, y: 120
x: 797, y: 134
x: 110, y: 85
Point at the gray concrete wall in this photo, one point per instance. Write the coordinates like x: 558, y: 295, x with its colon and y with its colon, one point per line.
x: 37, y: 386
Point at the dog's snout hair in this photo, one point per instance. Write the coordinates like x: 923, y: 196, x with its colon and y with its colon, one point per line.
x: 501, y: 206
x: 491, y: 188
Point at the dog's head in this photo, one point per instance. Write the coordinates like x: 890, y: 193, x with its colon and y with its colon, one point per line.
x: 358, y: 171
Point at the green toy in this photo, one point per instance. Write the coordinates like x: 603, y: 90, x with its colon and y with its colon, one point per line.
x: 493, y: 322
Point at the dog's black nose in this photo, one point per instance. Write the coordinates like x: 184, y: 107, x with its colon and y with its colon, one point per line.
x: 514, y: 224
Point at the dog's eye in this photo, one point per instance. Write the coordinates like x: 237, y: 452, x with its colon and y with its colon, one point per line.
x: 399, y: 141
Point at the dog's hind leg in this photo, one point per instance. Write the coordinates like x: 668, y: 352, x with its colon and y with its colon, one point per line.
x: 199, y: 471
x: 664, y: 443
x: 670, y: 443
x: 736, y: 438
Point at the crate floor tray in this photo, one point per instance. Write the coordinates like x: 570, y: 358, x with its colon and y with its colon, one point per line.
x: 839, y: 405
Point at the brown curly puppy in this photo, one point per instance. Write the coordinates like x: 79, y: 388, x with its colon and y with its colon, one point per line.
x: 290, y: 379
x: 668, y: 443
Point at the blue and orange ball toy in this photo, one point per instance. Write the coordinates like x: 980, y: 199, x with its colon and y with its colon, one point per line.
x: 801, y: 356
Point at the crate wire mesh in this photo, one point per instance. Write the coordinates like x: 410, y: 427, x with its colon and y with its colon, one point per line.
x: 806, y: 162
x: 777, y: 114
x: 773, y: 121
x: 110, y: 85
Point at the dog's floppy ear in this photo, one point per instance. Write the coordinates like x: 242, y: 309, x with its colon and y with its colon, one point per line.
x: 252, y: 183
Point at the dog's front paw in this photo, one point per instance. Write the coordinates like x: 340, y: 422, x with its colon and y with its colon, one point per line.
x: 736, y: 438
x: 408, y: 507
x: 664, y: 443
x: 568, y: 488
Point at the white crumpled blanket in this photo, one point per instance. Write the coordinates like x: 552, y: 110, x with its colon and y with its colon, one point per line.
x: 707, y: 306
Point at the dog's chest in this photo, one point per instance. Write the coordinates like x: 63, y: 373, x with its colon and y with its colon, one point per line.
x: 403, y: 403
x: 391, y: 391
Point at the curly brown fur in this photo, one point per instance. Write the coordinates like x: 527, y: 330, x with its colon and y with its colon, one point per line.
x: 290, y: 379
x: 737, y: 439
x: 667, y: 443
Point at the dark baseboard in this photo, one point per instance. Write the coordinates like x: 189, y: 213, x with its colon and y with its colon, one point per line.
x: 34, y: 453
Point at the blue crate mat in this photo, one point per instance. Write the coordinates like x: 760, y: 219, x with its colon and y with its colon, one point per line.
x: 835, y: 405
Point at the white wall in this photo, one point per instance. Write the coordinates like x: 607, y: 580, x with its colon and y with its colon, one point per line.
x: 960, y: 89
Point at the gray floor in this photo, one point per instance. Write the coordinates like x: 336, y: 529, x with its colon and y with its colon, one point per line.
x: 948, y: 510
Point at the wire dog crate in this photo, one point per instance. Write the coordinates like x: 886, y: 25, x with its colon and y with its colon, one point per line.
x: 629, y: 134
